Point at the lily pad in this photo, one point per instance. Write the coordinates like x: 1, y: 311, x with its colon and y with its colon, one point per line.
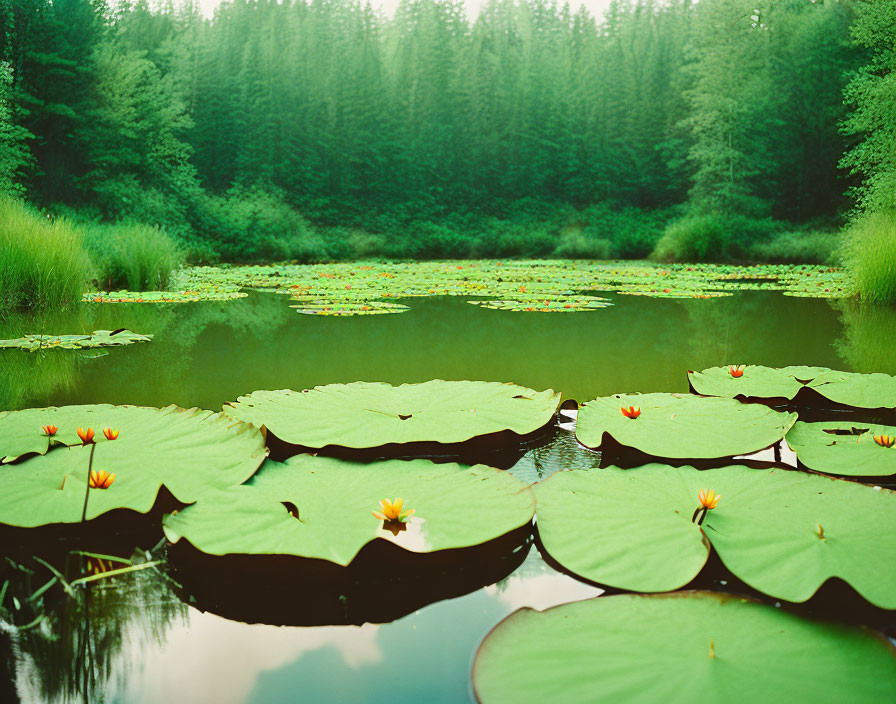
x: 374, y: 415
x: 794, y: 383
x: 842, y: 448
x: 688, y: 647
x: 204, y: 294
x: 681, y: 426
x: 99, y: 338
x: 350, y: 308
x: 547, y: 304
x: 187, y: 451
x: 321, y: 507
x: 782, y: 532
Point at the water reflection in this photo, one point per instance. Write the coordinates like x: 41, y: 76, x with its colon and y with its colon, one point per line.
x: 868, y: 342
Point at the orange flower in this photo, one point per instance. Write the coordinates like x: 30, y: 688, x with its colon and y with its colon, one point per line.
x: 737, y: 371
x: 101, y: 479
x: 50, y: 430
x: 85, y: 435
x: 110, y: 434
x: 631, y: 412
x: 885, y: 440
x: 391, y: 511
x: 708, y: 498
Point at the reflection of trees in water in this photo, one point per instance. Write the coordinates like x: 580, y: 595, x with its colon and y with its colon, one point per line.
x: 563, y: 452
x: 868, y: 341
x: 75, y: 376
x: 80, y: 640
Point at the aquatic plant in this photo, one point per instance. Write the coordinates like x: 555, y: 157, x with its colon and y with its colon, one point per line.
x: 392, y: 511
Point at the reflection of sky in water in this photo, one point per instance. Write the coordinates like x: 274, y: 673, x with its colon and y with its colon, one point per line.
x: 424, y: 657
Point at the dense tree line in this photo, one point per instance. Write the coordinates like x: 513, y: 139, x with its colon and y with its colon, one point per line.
x: 328, y: 108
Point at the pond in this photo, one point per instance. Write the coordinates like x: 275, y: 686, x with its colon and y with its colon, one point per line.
x: 159, y: 635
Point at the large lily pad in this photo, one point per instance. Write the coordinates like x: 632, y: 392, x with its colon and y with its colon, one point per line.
x: 843, y: 448
x: 187, y: 451
x: 688, y: 647
x: 372, y: 415
x: 782, y: 532
x: 321, y: 507
x: 99, y: 338
x: 681, y: 426
x: 844, y: 388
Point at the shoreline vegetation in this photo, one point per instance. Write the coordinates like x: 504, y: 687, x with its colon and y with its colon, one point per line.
x: 150, y: 138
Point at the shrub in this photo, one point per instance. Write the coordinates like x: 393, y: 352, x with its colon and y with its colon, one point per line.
x: 705, y: 237
x: 870, y: 256
x: 633, y: 233
x: 574, y: 244
x: 132, y: 255
x: 799, y: 247
x: 42, y: 262
x: 254, y: 225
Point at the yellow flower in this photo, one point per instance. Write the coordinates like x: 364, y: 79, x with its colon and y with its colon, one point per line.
x: 885, y: 440
x: 101, y: 479
x: 708, y: 498
x: 392, y: 511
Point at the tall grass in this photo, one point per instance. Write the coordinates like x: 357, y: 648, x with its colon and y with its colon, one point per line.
x: 42, y: 263
x: 131, y: 255
x: 870, y: 256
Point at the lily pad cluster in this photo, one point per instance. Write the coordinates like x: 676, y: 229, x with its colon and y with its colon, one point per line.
x: 687, y: 647
x: 49, y: 452
x: 680, y: 426
x: 323, y: 508
x: 200, y: 293
x: 848, y: 389
x: 520, y: 285
x: 364, y: 415
x: 783, y: 532
x: 98, y: 338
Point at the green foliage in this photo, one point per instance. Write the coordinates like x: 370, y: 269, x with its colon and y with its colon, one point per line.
x: 800, y: 247
x: 701, y: 237
x: 132, y: 256
x: 13, y: 152
x: 872, y: 94
x: 574, y: 244
x: 42, y: 262
x: 870, y: 255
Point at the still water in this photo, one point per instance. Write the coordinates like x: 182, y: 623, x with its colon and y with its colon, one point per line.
x: 144, y: 637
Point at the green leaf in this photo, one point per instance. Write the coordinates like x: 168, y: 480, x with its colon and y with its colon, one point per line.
x: 794, y: 383
x: 682, y: 426
x: 99, y: 338
x: 686, y: 647
x: 188, y: 451
x: 368, y: 415
x: 455, y: 506
x: 632, y: 529
x: 843, y: 448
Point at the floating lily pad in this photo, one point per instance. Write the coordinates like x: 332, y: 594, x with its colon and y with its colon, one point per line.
x: 99, y: 338
x: 843, y: 448
x: 350, y: 308
x: 681, y: 426
x: 320, y: 507
x: 796, y: 383
x: 688, y: 647
x: 782, y: 532
x: 209, y: 294
x: 188, y: 451
x: 550, y: 304
x: 375, y: 415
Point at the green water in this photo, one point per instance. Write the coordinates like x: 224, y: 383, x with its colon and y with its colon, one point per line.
x: 139, y: 639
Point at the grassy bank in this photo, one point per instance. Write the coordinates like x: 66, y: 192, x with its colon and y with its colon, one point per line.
x: 43, y: 263
x: 870, y: 255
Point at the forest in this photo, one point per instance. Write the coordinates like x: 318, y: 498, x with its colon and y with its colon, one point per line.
x: 721, y: 130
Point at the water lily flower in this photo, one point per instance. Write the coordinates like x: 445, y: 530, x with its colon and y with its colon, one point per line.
x: 110, y: 434
x: 708, y: 499
x: 392, y: 511
x: 50, y: 430
x: 101, y: 479
x: 631, y: 412
x: 737, y: 371
x: 885, y: 440
x: 85, y: 435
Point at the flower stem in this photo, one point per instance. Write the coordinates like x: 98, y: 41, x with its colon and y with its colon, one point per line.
x: 87, y: 490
